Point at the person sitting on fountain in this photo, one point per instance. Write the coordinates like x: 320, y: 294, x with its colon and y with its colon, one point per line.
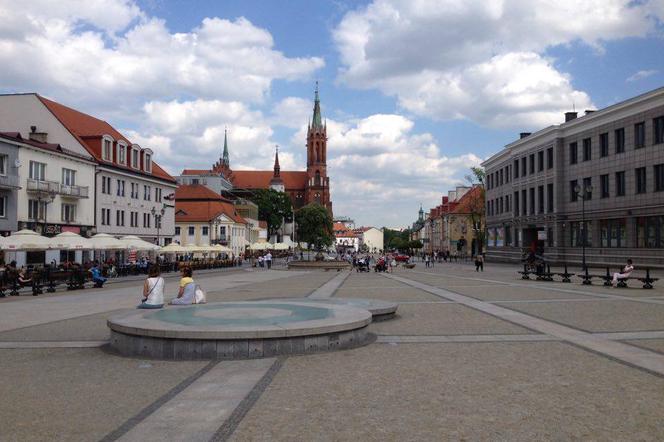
x: 153, y: 289
x: 187, y: 292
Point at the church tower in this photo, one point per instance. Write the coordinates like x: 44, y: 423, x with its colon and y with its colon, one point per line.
x: 276, y: 182
x: 318, y: 183
x: 223, y: 166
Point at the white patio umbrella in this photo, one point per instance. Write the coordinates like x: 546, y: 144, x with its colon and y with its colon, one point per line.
x: 70, y: 241
x: 221, y: 249
x: 258, y: 246
x: 280, y: 246
x: 173, y: 248
x: 26, y: 239
x: 133, y: 242
x: 104, y: 241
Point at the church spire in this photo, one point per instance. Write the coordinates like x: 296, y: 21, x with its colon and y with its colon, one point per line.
x: 317, y: 123
x: 225, y: 160
x: 277, y: 168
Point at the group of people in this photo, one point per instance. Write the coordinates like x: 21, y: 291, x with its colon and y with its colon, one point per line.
x: 153, y: 290
x: 265, y: 260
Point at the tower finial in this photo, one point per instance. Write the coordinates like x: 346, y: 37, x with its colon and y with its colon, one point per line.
x: 317, y: 123
x: 277, y: 168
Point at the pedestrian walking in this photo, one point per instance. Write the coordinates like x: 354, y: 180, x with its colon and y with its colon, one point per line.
x: 268, y: 260
x: 479, y: 262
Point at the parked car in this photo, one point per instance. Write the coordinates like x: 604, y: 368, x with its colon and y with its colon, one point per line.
x: 401, y: 258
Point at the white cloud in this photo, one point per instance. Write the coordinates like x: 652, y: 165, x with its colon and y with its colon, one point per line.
x: 98, y: 49
x: 446, y: 58
x: 640, y: 75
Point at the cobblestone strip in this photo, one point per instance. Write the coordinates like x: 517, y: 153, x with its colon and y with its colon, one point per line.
x: 328, y: 289
x: 197, y: 411
x: 416, y: 339
x: 51, y: 344
x: 629, y: 354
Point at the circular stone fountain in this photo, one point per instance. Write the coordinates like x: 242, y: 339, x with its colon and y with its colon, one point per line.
x: 239, y: 330
x: 380, y: 310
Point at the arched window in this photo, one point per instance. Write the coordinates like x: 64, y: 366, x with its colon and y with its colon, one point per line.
x: 316, y: 153
x: 317, y: 198
x: 317, y: 179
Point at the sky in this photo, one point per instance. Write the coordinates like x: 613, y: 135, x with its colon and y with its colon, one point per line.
x: 414, y: 92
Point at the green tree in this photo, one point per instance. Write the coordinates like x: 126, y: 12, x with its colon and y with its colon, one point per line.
x: 416, y: 244
x: 273, y: 207
x: 477, y: 206
x: 314, y: 226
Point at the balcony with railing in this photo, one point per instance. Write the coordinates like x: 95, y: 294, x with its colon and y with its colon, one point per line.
x: 54, y: 188
x: 9, y: 182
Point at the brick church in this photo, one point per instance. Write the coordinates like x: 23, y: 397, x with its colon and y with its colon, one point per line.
x: 303, y: 187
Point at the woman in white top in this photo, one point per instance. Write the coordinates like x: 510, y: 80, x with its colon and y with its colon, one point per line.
x: 153, y: 290
x: 626, y: 271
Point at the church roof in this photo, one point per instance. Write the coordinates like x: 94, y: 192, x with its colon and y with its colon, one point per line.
x: 317, y: 120
x: 196, y: 192
x: 260, y: 179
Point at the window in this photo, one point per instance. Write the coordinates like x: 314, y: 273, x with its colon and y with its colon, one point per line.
x: 147, y: 163
x: 587, y: 149
x: 549, y: 158
x: 3, y: 164
x: 157, y: 194
x: 524, y: 170
x: 620, y: 140
x: 146, y: 220
x: 107, y: 149
x: 205, y: 231
x: 640, y: 178
x: 573, y: 153
x: 119, y: 218
x: 604, y: 186
x: 639, y: 135
x: 650, y: 232
x: 549, y: 198
x: 122, y: 153
x: 68, y: 213
x: 177, y: 230
x: 604, y: 145
x: 573, y: 195
x: 531, y: 202
x: 540, y: 199
x: 658, y: 170
x: 577, y: 230
x: 587, y: 184
x: 191, y: 230
x: 133, y: 219
x: 3, y: 207
x: 524, y: 202
x: 146, y: 193
x: 105, y: 217
x: 516, y: 168
x: 501, y: 177
x: 134, y: 190
x: 532, y: 163
x: 658, y: 130
x: 36, y: 209
x: 68, y: 177
x: 134, y: 158
x: 620, y: 183
x: 106, y: 185
x: 612, y: 233
x: 516, y: 203
x: 540, y: 161
x: 37, y: 171
x: 121, y: 188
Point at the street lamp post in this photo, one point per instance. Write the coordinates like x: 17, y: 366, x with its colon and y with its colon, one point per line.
x: 583, y: 193
x: 48, y: 200
x: 157, y: 219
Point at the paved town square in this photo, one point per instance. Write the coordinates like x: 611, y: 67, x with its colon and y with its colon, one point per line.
x: 469, y: 356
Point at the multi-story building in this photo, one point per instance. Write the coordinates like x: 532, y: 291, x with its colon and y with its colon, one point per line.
x: 598, y: 176
x: 371, y: 238
x: 9, y: 183
x: 128, y: 192
x: 203, y: 217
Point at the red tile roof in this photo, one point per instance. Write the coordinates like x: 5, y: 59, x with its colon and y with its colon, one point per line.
x: 260, y: 179
x: 196, y: 192
x: 471, y: 201
x: 83, y: 126
x: 196, y: 172
x: 205, y: 211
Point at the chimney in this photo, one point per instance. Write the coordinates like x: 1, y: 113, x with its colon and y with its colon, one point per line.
x: 589, y: 111
x: 569, y: 116
x: 523, y: 135
x: 40, y: 137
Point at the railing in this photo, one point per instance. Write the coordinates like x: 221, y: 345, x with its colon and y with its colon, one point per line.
x: 53, y: 187
x: 9, y: 181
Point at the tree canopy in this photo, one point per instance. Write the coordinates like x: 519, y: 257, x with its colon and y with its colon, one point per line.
x: 314, y: 226
x: 273, y: 207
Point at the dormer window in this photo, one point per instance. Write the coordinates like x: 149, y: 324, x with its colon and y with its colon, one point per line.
x: 122, y: 152
x: 107, y: 148
x: 147, y: 160
x: 135, y: 158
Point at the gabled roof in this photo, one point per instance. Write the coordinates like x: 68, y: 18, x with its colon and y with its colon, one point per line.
x: 83, y: 126
x: 198, y: 172
x: 469, y: 200
x: 16, y: 137
x: 194, y: 192
x: 260, y: 179
x: 205, y: 211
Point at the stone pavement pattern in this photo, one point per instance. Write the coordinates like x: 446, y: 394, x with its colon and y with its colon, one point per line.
x: 457, y: 363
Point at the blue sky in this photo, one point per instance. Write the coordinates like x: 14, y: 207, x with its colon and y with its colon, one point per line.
x: 415, y: 93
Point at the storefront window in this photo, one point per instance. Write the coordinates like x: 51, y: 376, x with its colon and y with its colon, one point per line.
x: 650, y: 232
x: 612, y: 233
x: 577, y: 234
